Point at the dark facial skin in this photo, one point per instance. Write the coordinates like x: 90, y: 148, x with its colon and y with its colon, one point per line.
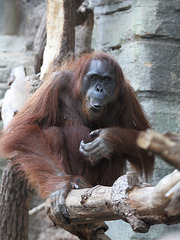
x: 98, y: 88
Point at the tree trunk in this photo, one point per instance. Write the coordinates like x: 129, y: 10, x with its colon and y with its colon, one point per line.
x: 84, y: 20
x: 39, y: 45
x: 14, y: 201
x: 61, y: 16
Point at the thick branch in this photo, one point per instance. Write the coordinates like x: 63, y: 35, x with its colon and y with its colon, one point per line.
x: 128, y: 199
x: 167, y: 146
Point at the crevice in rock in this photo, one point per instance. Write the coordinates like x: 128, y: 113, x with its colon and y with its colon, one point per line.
x: 155, y: 36
x: 117, y: 10
x: 116, y: 47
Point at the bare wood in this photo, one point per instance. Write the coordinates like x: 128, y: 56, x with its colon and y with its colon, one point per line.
x: 60, y: 33
x: 84, y: 16
x: 54, y: 28
x: 167, y: 145
x: 1, y: 103
x: 36, y: 209
x: 39, y: 44
x: 128, y: 199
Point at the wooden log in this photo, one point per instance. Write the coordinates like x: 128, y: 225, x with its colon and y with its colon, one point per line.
x: 129, y: 199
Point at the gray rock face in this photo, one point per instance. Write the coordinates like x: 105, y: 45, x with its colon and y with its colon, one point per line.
x: 13, y: 52
x: 144, y: 37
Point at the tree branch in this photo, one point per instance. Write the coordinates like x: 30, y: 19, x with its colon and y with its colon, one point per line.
x: 129, y: 199
x: 166, y: 146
